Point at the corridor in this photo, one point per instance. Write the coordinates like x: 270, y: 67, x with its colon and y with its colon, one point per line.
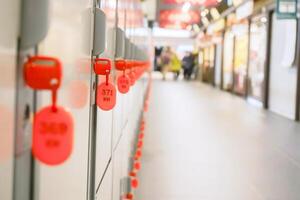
x: 201, y: 143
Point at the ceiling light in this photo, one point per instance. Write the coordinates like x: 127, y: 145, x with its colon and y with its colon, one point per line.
x: 205, y: 21
x: 196, y: 28
x: 186, y: 6
x: 263, y: 19
x: 215, y: 13
x: 189, y: 27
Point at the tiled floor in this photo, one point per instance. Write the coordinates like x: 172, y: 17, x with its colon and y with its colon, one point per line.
x: 202, y: 143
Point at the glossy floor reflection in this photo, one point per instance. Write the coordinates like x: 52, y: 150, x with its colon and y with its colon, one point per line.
x: 202, y: 143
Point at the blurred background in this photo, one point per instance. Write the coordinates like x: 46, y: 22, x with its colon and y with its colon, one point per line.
x: 149, y: 100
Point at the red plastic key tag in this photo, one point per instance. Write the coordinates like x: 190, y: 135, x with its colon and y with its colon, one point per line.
x: 106, y: 96
x: 123, y: 83
x: 52, y: 135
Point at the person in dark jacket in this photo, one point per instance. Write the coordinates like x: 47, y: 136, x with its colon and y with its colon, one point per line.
x: 188, y: 65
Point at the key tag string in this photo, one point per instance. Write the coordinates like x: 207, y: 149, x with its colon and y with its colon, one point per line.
x: 54, y: 100
x: 107, y: 77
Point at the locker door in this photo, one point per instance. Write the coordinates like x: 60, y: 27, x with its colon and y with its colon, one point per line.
x: 129, y: 109
x: 69, y: 39
x: 8, y: 56
x: 105, y: 121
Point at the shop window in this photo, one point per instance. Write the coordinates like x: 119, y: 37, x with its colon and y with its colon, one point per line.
x: 257, y: 56
x: 241, y: 58
x: 228, y: 60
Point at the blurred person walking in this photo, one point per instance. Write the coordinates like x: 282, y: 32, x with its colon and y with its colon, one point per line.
x: 165, y: 61
x: 157, y: 58
x: 188, y: 65
x: 175, y: 65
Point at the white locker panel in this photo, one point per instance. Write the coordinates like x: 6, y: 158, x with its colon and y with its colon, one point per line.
x: 124, y: 151
x: 105, y: 191
x: 69, y: 39
x: 117, y: 127
x: 105, y: 118
x: 68, y: 34
x: 8, y: 54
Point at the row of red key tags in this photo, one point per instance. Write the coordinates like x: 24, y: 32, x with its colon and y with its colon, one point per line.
x: 138, y: 148
x: 53, y: 126
x: 106, y: 92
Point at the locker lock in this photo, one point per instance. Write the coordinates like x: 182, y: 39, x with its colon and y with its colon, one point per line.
x: 128, y: 196
x: 120, y: 65
x: 102, y: 66
x: 129, y: 64
x: 43, y: 73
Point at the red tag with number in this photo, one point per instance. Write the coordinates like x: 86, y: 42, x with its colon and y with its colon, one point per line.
x: 106, y: 96
x: 52, y: 135
x: 123, y: 84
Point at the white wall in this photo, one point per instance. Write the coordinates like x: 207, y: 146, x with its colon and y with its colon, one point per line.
x: 283, y: 76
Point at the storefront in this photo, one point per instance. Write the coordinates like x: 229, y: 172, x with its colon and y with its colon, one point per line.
x: 206, y: 65
x: 211, y: 68
x: 257, y: 59
x: 218, y: 64
x: 227, y: 79
x: 240, y: 63
x: 200, y: 64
